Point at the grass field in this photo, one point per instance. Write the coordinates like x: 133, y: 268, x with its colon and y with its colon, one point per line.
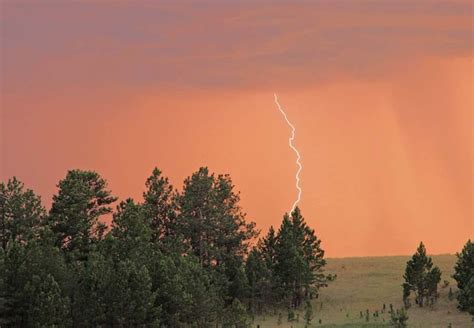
x: 368, y: 283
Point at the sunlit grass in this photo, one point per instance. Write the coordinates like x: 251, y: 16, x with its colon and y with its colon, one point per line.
x: 367, y: 283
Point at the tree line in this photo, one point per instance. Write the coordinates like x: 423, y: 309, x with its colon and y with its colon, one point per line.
x: 175, y: 259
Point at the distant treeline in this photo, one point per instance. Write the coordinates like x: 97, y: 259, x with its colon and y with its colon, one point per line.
x: 176, y: 259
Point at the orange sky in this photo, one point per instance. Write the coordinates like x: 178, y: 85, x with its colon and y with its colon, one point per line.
x: 380, y: 94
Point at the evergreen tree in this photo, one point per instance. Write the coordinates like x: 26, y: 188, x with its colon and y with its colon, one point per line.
x: 211, y: 219
x: 185, y: 292
x: 12, y: 309
x: 267, y: 247
x: 213, y: 225
x: 236, y: 316
x: 33, y: 276
x: 299, y: 259
x: 432, y: 280
x: 466, y: 297
x: 464, y: 276
x: 160, y: 206
x: 259, y: 278
x: 47, y: 306
x: 127, y: 254
x: 114, y: 293
x: 21, y: 213
x: 74, y: 217
x: 127, y: 295
x: 421, y: 277
x: 131, y: 234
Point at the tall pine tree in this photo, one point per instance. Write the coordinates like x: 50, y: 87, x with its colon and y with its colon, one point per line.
x: 21, y: 213
x: 74, y: 217
x: 160, y: 206
x: 213, y: 225
x: 299, y: 259
x: 421, y: 277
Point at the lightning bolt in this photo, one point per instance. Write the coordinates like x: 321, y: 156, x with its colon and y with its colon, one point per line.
x: 298, y: 156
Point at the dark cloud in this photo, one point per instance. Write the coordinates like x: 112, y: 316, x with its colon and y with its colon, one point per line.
x: 213, y: 44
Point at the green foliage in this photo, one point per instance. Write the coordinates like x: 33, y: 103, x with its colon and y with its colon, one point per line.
x: 421, y: 277
x: 466, y: 297
x: 131, y: 235
x: 114, y: 293
x: 211, y: 219
x: 299, y: 259
x: 464, y: 276
x: 47, y: 306
x: 185, y: 291
x: 74, y: 217
x: 127, y: 295
x: 160, y: 206
x: 33, y: 277
x: 259, y: 278
x: 267, y: 248
x: 213, y: 226
x: 175, y: 260
x: 236, y: 316
x: 21, y: 213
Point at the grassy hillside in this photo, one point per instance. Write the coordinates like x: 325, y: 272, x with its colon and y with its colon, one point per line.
x: 368, y: 283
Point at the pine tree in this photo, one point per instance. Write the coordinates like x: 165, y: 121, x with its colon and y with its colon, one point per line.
x: 74, y: 217
x: 211, y: 219
x: 13, y: 309
x: 267, y: 247
x: 21, y: 213
x: 185, y: 291
x: 127, y: 289
x: 421, y: 277
x: 160, y: 206
x: 236, y: 316
x: 299, y: 259
x: 213, y: 225
x: 464, y: 276
x: 432, y: 280
x: 47, y: 306
x: 259, y: 277
x: 131, y: 233
x: 128, y: 296
x: 31, y: 274
x: 114, y: 293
